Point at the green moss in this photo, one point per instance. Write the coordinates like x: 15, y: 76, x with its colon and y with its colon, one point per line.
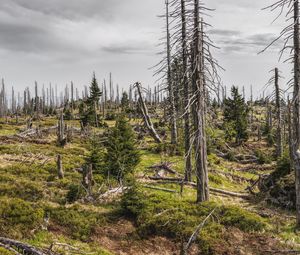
x: 5, y: 252
x: 242, y: 219
x: 18, y: 217
x: 29, y: 191
x: 215, y: 179
x: 176, y: 217
x: 79, y: 223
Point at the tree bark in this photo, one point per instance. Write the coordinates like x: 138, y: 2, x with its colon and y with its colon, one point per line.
x: 88, y: 179
x: 187, y: 135
x: 61, y: 130
x: 170, y: 81
x: 199, y: 115
x: 60, y: 171
x: 296, y: 109
x: 279, y: 148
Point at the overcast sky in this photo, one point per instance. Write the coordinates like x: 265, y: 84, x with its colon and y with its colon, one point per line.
x: 62, y: 40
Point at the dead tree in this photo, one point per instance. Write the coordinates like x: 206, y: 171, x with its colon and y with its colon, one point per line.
x: 60, y: 171
x: 87, y: 180
x: 274, y: 82
x: 279, y: 143
x: 170, y: 81
x: 61, y: 131
x: 187, y: 134
x: 296, y: 108
x: 199, y: 109
x: 290, y: 35
x: 146, y: 116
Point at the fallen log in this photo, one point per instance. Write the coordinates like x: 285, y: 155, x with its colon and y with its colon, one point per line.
x: 164, y: 166
x: 193, y: 184
x: 229, y: 193
x: 289, y: 252
x: 158, y: 178
x: 6, y: 247
x: 161, y: 189
x: 234, y: 177
x: 112, y: 193
x: 21, y: 247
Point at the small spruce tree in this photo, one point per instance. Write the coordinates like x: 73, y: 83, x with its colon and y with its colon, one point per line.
x: 125, y: 102
x: 95, y: 92
x: 122, y: 155
x: 90, y: 116
x: 235, y: 117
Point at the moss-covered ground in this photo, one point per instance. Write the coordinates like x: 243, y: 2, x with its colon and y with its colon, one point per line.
x: 34, y: 207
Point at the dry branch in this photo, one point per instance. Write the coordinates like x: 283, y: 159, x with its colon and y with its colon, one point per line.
x: 22, y: 247
x: 161, y: 189
x: 196, y: 233
x: 146, y: 117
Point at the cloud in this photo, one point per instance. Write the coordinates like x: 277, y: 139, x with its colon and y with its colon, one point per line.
x: 73, y: 10
x: 224, y: 32
x: 232, y: 41
x: 127, y: 48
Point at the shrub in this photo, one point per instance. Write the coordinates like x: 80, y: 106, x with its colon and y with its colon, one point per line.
x: 242, y: 219
x: 110, y: 116
x: 18, y: 217
x: 78, y: 223
x: 169, y: 149
x: 26, y: 190
x: 162, y: 214
x: 262, y: 157
x: 75, y: 192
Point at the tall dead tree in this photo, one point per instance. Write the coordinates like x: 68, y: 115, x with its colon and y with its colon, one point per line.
x: 279, y: 141
x: 170, y: 81
x: 186, y: 89
x: 199, y: 114
x: 290, y: 35
x: 296, y: 108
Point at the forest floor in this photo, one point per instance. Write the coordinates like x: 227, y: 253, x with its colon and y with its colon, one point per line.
x: 33, y: 204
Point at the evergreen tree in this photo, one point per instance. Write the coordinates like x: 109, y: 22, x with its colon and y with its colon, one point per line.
x: 125, y: 102
x: 90, y: 116
x: 95, y: 92
x: 235, y: 117
x: 122, y: 155
x: 96, y: 155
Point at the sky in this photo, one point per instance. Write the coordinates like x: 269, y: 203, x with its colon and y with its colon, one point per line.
x: 59, y: 41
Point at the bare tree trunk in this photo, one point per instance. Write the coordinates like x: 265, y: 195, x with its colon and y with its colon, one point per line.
x: 279, y: 148
x: 200, y: 139
x: 88, y: 179
x: 147, y: 119
x: 72, y: 98
x: 290, y: 128
x: 60, y: 171
x: 296, y: 109
x: 187, y: 134
x: 170, y: 81
x: 61, y: 130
